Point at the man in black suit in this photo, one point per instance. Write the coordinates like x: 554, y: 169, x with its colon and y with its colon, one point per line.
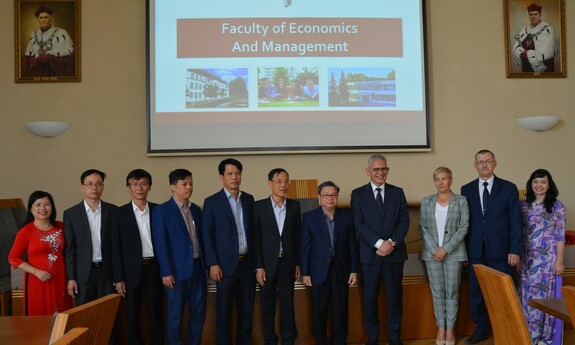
x: 329, y: 263
x: 136, y: 271
x: 88, y: 242
x: 276, y: 242
x: 227, y: 233
x: 495, y: 232
x: 381, y: 219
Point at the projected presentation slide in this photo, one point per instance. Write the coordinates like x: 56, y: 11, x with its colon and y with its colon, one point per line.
x: 286, y: 76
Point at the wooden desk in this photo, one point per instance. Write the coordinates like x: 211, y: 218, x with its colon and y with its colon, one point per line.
x: 26, y: 330
x: 552, y: 306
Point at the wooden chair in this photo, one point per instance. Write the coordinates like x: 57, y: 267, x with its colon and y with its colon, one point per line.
x: 76, y: 336
x: 507, y: 320
x: 98, y: 316
x: 304, y: 191
x: 569, y: 296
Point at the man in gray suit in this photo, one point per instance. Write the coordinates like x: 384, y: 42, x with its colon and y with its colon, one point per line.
x: 88, y: 242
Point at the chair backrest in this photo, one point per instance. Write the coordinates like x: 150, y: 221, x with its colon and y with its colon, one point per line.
x: 507, y: 320
x: 302, y: 189
x: 76, y: 336
x: 98, y: 316
x: 569, y: 296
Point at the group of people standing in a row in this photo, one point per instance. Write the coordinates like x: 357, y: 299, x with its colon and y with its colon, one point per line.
x: 488, y: 224
x: 142, y: 249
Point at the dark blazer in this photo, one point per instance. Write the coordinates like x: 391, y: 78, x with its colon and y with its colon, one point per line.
x: 220, y: 233
x: 172, y: 242
x: 267, y: 236
x: 127, y: 245
x: 315, y: 250
x: 500, y: 228
x: 79, y: 242
x: 393, y: 225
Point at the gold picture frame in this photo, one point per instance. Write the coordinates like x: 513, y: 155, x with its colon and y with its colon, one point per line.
x: 535, y: 39
x: 47, y: 41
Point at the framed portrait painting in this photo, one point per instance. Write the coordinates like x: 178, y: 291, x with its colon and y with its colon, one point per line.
x: 47, y: 41
x: 535, y: 38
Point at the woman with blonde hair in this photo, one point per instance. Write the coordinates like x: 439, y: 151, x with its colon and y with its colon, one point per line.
x: 443, y: 224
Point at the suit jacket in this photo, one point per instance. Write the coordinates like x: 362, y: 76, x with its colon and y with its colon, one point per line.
x: 501, y: 226
x: 127, y: 245
x: 267, y: 236
x: 371, y: 227
x: 456, y: 226
x: 79, y: 242
x: 315, y: 250
x: 220, y: 232
x: 174, y: 248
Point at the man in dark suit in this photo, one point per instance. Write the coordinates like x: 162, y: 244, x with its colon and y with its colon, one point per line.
x: 88, y: 241
x: 495, y: 231
x: 277, y: 222
x: 227, y: 220
x: 329, y: 263
x: 381, y: 219
x: 176, y: 234
x: 136, y: 271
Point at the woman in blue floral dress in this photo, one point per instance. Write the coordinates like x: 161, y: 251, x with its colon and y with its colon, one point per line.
x: 544, y: 221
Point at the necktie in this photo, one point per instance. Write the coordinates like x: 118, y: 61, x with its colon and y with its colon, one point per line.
x: 485, y: 197
x: 379, y: 202
x: 192, y: 230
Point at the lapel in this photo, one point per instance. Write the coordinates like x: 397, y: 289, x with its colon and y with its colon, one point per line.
x: 269, y: 210
x: 475, y: 201
x: 432, y: 204
x: 225, y: 205
x: 177, y: 214
x: 337, y: 218
x: 495, y: 189
x: 371, y: 202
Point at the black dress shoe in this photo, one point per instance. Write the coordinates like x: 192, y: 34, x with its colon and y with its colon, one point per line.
x: 476, y: 338
x: 369, y: 342
x: 395, y: 342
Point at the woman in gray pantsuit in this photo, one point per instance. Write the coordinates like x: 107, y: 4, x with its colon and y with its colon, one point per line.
x: 443, y: 223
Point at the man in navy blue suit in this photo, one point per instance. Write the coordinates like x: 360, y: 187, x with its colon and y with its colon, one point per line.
x: 176, y: 232
x: 382, y: 220
x: 495, y: 230
x: 328, y: 262
x: 136, y: 272
x: 227, y: 220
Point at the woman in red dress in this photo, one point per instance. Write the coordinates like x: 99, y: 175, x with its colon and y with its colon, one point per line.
x: 42, y: 240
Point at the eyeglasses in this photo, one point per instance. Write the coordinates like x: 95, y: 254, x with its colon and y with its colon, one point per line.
x: 380, y: 170
x: 487, y: 161
x: 329, y: 196
x: 280, y: 182
x: 98, y: 185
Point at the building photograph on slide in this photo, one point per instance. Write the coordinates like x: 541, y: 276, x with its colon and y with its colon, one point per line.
x: 281, y: 72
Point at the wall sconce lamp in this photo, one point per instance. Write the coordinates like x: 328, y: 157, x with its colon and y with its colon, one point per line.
x: 539, y: 123
x: 47, y: 129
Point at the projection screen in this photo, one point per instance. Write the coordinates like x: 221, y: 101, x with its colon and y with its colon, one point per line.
x: 286, y: 76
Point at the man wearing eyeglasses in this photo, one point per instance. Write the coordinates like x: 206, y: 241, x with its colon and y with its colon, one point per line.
x: 381, y: 219
x: 136, y: 271
x: 88, y: 242
x: 277, y: 222
x: 495, y: 231
x: 329, y: 263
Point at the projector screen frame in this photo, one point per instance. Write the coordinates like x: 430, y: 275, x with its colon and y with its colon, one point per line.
x: 288, y: 149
